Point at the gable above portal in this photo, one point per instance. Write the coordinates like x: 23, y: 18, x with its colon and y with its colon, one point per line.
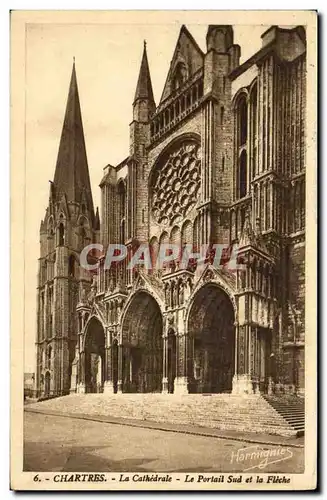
x: 187, y: 60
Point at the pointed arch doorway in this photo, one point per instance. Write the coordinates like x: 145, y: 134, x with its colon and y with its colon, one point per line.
x: 142, y: 359
x: 212, y: 341
x: 94, y: 348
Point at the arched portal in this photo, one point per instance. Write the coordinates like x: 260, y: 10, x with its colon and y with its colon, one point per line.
x: 94, y: 356
x: 142, y: 360
x: 212, y: 341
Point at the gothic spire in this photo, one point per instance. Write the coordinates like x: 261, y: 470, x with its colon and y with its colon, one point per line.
x: 247, y: 236
x: 144, y: 85
x: 97, y: 220
x: 72, y: 174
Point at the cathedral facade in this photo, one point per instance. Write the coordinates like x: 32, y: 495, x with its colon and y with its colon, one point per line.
x: 220, y: 160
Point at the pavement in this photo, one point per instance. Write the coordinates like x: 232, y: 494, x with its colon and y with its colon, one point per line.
x: 81, y: 443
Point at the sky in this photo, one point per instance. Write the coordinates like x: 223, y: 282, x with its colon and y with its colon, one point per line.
x: 107, y: 58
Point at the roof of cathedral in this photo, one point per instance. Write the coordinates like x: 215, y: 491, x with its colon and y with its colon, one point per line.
x: 72, y: 174
x: 188, y: 53
x: 124, y: 162
x: 144, y: 85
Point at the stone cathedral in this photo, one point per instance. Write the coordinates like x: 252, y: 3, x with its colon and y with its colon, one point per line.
x: 219, y: 160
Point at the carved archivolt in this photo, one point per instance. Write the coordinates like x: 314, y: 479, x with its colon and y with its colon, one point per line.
x: 176, y: 184
x: 211, y: 276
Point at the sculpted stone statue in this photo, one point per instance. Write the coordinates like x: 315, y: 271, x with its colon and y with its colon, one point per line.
x: 91, y: 295
x: 82, y: 293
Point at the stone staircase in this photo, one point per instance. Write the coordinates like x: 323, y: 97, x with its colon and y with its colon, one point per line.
x: 291, y: 408
x: 250, y: 413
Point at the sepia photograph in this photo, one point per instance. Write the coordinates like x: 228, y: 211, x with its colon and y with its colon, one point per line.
x: 167, y: 308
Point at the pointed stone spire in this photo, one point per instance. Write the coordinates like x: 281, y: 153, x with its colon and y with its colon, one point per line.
x: 247, y: 236
x: 42, y: 227
x: 251, y: 237
x: 144, y: 85
x: 51, y: 193
x: 72, y: 173
x: 97, y: 220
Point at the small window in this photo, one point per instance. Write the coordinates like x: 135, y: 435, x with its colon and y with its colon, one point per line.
x: 200, y: 89
x: 82, y: 237
x: 51, y: 231
x: 61, y: 235
x: 243, y: 121
x: 122, y: 231
x: 50, y: 326
x: 223, y: 163
x: 49, y: 354
x: 172, y: 112
x: 179, y: 76
x: 243, y: 174
x: 194, y: 95
x: 242, y: 218
x: 71, y: 266
x: 121, y: 199
x: 254, y: 119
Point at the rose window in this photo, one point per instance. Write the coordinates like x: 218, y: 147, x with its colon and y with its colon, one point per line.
x: 176, y: 184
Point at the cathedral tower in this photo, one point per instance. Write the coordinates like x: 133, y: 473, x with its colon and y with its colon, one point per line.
x: 143, y: 109
x: 69, y: 224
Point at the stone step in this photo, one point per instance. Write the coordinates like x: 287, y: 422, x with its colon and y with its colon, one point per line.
x: 291, y: 409
x: 288, y: 408
x: 290, y: 419
x: 268, y: 421
x: 292, y: 416
x: 230, y: 412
